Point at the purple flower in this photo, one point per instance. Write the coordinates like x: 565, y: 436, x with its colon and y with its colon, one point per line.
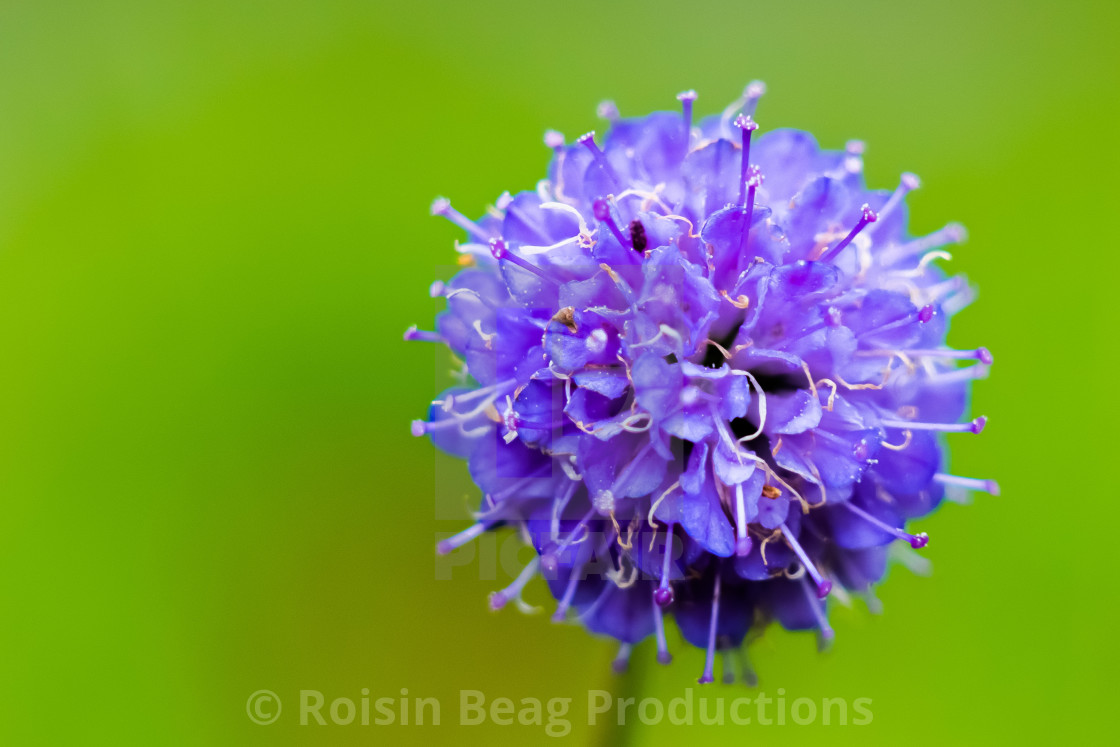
x: 709, y: 376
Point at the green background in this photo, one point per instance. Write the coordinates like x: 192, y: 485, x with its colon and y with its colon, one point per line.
x: 214, y: 228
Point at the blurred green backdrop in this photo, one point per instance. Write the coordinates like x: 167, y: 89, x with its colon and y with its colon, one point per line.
x: 213, y: 230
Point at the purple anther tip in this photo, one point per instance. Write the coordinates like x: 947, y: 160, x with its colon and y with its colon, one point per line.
x: 911, y: 181
x: 823, y: 588
x: 984, y: 356
x: 869, y: 215
x: 743, y: 547
x: 600, y: 209
x: 663, y: 596
x: 979, y: 423
x: 993, y: 487
x: 706, y: 679
x: 440, y: 205
x: 419, y: 427
x: 410, y: 333
x: 728, y: 678
x: 498, y: 248
x: 619, y: 666
x: 553, y: 139
x: 754, y: 89
x: 920, y: 540
x: 745, y: 122
x: 686, y: 96
x: 956, y: 232
x: 443, y: 547
x: 498, y: 600
x: 664, y: 657
x: 855, y: 147
x: 925, y: 313
x: 436, y: 289
x: 607, y: 110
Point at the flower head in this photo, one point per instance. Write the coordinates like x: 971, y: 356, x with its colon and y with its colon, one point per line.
x: 709, y: 376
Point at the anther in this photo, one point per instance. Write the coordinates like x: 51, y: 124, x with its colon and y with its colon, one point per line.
x: 500, y: 250
x: 554, y: 139
x: 972, y: 483
x: 710, y: 658
x: 601, y: 209
x: 973, y: 426
x: 906, y: 183
x: 622, y: 660
x: 663, y: 595
x: 981, y: 354
x: 867, y: 215
x: 822, y: 622
x: 498, y: 599
x: 686, y: 100
x: 607, y: 110
x: 442, y: 206
x: 824, y: 586
x: 925, y: 313
x: 458, y: 540
x: 917, y: 541
x: 413, y: 334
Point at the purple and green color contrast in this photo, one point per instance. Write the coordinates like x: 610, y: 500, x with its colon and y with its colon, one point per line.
x: 705, y: 377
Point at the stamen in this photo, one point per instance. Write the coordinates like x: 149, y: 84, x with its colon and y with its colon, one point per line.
x: 917, y: 541
x: 925, y: 313
x: 499, y: 598
x: 748, y: 126
x: 752, y: 93
x: 413, y: 335
x: 663, y: 655
x: 953, y: 233
x: 458, y: 540
x: 551, y: 559
x: 743, y: 544
x: 822, y: 622
x: 981, y: 354
x: 823, y: 585
x: 686, y: 100
x: 607, y: 110
x: 867, y: 216
x: 728, y: 667
x: 978, y: 371
x: 853, y: 156
x: 588, y: 141
x: 907, y: 183
x: 442, y: 206
x: 493, y: 391
x: 754, y: 181
x: 747, y: 103
x: 974, y: 426
x: 500, y: 250
x: 972, y: 483
x: 569, y: 592
x: 554, y: 140
x: 601, y: 209
x: 710, y: 659
x: 663, y: 595
x: 622, y: 659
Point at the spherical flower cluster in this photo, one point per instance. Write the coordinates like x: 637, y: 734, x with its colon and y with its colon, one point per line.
x: 707, y: 377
